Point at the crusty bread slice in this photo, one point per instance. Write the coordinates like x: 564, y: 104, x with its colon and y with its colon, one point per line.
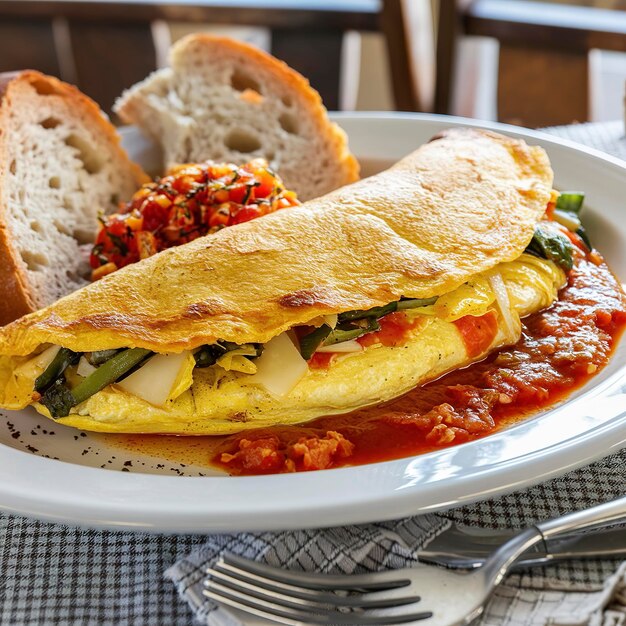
x: 60, y: 165
x: 226, y: 100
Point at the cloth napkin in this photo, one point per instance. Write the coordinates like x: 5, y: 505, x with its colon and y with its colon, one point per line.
x: 577, y: 593
x: 55, y: 574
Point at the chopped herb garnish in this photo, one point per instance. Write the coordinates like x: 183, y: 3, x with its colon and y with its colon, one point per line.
x: 249, y: 188
x: 119, y: 243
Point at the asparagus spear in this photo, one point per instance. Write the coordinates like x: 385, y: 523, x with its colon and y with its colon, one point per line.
x: 344, y: 331
x: 380, y: 311
x: 109, y: 372
x: 311, y: 342
x: 98, y: 357
x: 63, y: 359
x: 339, y: 335
x: 59, y: 399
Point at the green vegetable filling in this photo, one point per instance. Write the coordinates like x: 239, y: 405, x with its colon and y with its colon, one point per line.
x: 571, y: 201
x: 59, y: 399
x: 63, y: 359
x: 209, y: 354
x: 551, y: 244
x: 567, y: 213
x: 354, y: 324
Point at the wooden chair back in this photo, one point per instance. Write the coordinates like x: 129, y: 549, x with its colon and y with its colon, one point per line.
x: 543, y: 71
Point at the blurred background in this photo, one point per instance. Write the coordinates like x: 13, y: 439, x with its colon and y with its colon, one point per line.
x: 534, y: 63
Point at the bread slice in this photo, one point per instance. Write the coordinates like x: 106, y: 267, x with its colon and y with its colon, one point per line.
x: 61, y: 164
x: 229, y: 101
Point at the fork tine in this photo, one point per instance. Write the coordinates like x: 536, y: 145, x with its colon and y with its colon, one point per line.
x: 298, y: 597
x: 294, y: 617
x: 225, y: 600
x: 348, y: 582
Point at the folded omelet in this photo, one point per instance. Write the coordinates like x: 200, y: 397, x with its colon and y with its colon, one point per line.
x: 349, y: 300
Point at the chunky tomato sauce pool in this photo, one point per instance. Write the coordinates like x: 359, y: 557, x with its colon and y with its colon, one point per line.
x: 560, y: 349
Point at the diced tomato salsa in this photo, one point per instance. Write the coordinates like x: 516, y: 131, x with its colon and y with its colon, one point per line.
x: 191, y: 201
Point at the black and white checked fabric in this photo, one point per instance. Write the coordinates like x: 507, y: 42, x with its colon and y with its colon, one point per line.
x: 55, y: 574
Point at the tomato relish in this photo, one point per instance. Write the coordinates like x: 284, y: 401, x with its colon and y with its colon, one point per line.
x: 560, y: 349
x: 192, y: 200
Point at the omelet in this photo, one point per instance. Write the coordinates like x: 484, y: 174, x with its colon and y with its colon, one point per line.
x: 349, y: 300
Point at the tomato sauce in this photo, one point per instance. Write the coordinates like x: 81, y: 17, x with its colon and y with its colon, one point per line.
x: 394, y: 330
x: 561, y: 348
x: 478, y: 332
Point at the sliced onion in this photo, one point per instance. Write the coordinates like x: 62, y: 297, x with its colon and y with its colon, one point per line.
x: 331, y: 320
x: 351, y: 345
x: 47, y: 356
x: 510, y: 318
x: 280, y: 367
x: 38, y: 364
x: 155, y: 379
x: 569, y: 220
x: 85, y: 367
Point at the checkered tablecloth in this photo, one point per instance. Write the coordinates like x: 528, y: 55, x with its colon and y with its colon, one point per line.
x: 55, y: 574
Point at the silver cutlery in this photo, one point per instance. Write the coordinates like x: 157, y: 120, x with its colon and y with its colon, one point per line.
x: 432, y: 596
x: 465, y: 547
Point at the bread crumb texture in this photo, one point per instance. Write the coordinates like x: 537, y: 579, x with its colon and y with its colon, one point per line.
x: 60, y: 166
x: 228, y: 101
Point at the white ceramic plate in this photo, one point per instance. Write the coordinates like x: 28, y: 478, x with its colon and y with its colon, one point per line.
x: 57, y: 473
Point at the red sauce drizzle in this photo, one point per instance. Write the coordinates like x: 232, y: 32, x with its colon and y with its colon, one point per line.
x: 560, y: 349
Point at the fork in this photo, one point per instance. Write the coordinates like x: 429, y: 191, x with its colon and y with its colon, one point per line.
x: 429, y: 595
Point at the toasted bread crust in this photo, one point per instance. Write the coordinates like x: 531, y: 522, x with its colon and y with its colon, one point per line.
x: 15, y: 299
x: 16, y: 291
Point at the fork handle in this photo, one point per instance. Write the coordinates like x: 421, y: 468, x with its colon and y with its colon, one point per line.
x: 600, y: 515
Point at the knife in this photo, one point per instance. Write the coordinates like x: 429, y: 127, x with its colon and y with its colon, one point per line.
x: 467, y: 547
